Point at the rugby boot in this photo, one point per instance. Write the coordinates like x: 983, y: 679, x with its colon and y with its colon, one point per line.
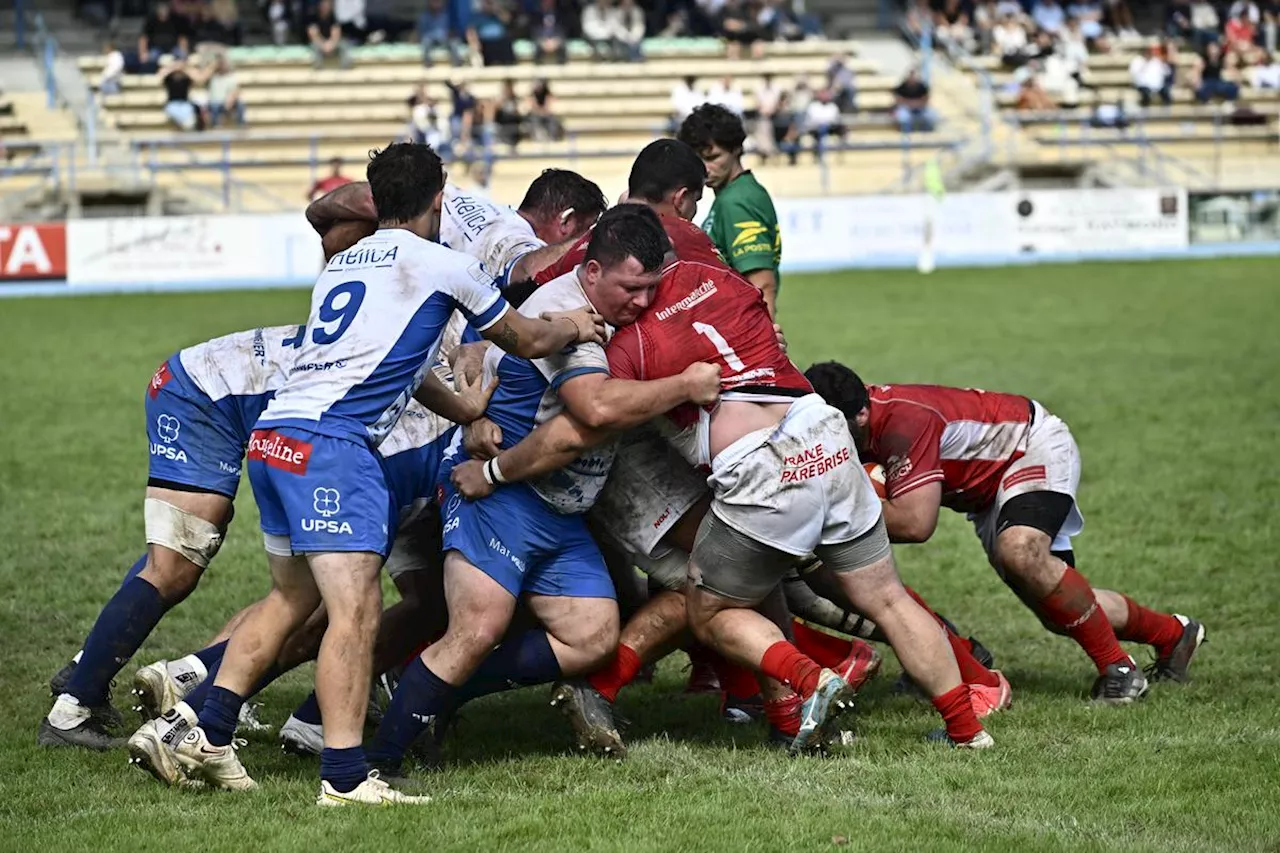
x: 591, y: 716
x: 860, y: 666
x: 987, y: 700
x: 218, y: 766
x: 151, y: 747
x: 832, y: 696
x: 1121, y: 684
x: 739, y: 709
x: 58, y: 682
x: 982, y: 740
x: 1173, y: 665
x: 155, y: 690
x: 299, y: 738
x: 87, y: 734
x: 373, y: 791
x: 249, y: 721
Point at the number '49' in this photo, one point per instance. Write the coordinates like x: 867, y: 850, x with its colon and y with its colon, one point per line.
x: 339, y: 309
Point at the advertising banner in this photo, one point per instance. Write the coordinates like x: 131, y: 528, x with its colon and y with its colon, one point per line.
x: 33, y: 252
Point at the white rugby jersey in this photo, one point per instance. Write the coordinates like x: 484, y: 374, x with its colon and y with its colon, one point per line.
x: 243, y: 369
x: 526, y: 396
x: 377, y: 312
x: 493, y: 234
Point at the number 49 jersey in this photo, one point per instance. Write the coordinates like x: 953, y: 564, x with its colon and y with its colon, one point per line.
x: 707, y: 313
x: 377, y: 311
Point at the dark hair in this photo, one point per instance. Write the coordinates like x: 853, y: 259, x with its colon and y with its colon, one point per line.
x: 556, y: 190
x: 712, y: 124
x: 839, y: 386
x: 404, y: 177
x: 628, y: 231
x: 664, y: 166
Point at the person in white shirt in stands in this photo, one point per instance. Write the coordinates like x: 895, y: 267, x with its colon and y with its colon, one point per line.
x: 727, y: 94
x: 598, y: 28
x: 768, y: 100
x: 822, y: 118
x: 224, y: 93
x: 1266, y: 74
x: 630, y: 29
x: 685, y: 98
x: 112, y: 75
x: 1009, y: 40
x: 1151, y: 75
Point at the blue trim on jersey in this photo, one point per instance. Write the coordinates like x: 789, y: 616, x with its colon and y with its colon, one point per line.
x: 575, y: 372
x: 514, y: 405
x: 489, y: 316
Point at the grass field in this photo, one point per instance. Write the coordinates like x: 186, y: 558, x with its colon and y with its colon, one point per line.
x: 1167, y: 374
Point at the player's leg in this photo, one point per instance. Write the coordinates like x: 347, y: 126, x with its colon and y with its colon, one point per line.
x: 1174, y: 638
x: 184, y: 531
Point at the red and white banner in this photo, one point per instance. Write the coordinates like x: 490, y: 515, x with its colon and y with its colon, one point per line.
x: 33, y: 251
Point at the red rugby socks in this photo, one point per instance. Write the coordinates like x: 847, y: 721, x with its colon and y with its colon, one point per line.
x: 826, y: 650
x: 784, y: 662
x: 957, y: 713
x: 617, y: 674
x: 1145, y: 625
x: 784, y: 714
x: 737, y: 681
x: 1073, y: 607
x: 971, y: 670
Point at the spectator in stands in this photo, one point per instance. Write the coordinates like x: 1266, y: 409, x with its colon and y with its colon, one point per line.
x: 188, y: 11
x: 543, y: 121
x: 1049, y: 16
x: 324, y: 34
x: 598, y: 25
x: 465, y: 113
x: 822, y: 119
x: 163, y: 34
x: 1120, y: 19
x: 675, y: 25
x: 1248, y: 9
x: 630, y: 30
x: 178, y: 80
x: 352, y: 17
x: 739, y: 29
x: 427, y: 122
x: 1270, y: 24
x: 1088, y: 16
x: 224, y: 93
x: 490, y: 34
x: 1240, y: 33
x: 911, y: 104
x: 219, y: 28
x: 1009, y: 41
x: 780, y: 20
x: 548, y: 35
x: 685, y: 97
x: 330, y: 182
x: 1177, y: 20
x: 985, y: 18
x: 786, y: 129
x: 507, y: 116
x: 952, y: 28
x: 843, y: 83
x: 1033, y: 97
x: 112, y: 75
x: 1073, y: 48
x: 384, y: 23
x: 436, y: 31
x: 1265, y: 74
x: 727, y: 94
x: 1204, y: 23
x: 279, y: 19
x: 1151, y: 75
x: 1209, y: 75
x: 769, y: 96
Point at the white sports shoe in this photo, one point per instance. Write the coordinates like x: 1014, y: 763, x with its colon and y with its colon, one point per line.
x: 217, y: 765
x: 151, y: 747
x: 301, y: 738
x: 155, y: 690
x: 371, y: 792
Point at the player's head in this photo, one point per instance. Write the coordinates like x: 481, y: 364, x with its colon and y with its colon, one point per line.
x: 407, y: 180
x: 844, y: 390
x: 717, y: 134
x: 335, y: 166
x: 562, y: 205
x: 668, y: 176
x: 624, y: 262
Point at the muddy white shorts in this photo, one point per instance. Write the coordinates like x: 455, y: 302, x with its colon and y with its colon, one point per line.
x: 650, y: 488
x: 796, y: 485
x: 417, y: 544
x: 1051, y: 463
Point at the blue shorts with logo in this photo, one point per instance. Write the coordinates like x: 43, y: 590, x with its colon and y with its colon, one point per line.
x: 325, y: 494
x: 516, y: 539
x: 193, y: 441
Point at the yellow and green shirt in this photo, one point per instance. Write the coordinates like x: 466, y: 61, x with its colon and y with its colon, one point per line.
x: 744, y: 226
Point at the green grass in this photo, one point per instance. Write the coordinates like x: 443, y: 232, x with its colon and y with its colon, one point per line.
x: 1167, y: 374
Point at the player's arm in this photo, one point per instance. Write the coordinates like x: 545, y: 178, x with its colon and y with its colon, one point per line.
x: 766, y: 281
x: 461, y: 408
x: 348, y: 202
x: 550, y: 447
x: 752, y: 229
x: 913, y: 516
x: 539, y: 337
x: 539, y: 259
x: 604, y: 403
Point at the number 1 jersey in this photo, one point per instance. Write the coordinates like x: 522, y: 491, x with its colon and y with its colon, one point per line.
x: 377, y: 312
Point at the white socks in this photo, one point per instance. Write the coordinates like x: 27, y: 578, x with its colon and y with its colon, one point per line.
x: 67, y: 713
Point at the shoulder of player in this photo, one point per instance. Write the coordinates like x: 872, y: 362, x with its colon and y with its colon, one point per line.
x: 915, y: 401
x: 562, y: 293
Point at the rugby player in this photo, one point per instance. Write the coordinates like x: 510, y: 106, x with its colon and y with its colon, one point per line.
x: 377, y: 314
x: 200, y: 407
x: 559, y: 206
x: 1014, y: 468
x: 742, y: 223
x: 745, y: 545
x: 530, y: 541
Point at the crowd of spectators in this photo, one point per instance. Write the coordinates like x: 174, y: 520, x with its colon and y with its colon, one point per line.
x: 509, y: 118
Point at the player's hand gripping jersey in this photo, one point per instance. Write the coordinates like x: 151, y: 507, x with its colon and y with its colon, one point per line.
x: 702, y: 312
x: 689, y: 242
x: 377, y: 312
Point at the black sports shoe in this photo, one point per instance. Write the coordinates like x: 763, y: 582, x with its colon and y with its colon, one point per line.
x: 591, y: 716
x: 107, y: 715
x: 735, y: 709
x: 58, y: 683
x: 981, y: 653
x: 90, y: 734
x: 1174, y: 666
x: 1121, y: 684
